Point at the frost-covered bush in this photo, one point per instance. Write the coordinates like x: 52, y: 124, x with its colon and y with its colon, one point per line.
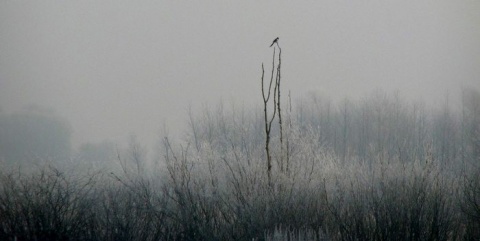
x: 374, y: 170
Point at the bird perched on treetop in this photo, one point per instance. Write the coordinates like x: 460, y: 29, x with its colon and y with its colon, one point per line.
x: 274, y: 41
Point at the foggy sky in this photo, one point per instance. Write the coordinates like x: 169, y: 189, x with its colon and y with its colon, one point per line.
x: 115, y: 68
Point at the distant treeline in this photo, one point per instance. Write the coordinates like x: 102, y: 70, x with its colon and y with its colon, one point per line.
x: 376, y: 169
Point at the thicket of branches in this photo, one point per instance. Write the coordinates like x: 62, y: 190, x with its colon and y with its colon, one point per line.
x: 215, y: 185
x: 378, y: 169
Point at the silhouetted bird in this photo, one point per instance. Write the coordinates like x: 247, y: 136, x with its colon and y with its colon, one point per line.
x: 274, y: 41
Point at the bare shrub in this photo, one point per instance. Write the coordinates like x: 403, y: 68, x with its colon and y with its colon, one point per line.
x: 396, y: 202
x: 327, y: 181
x: 47, y: 205
x: 471, y: 205
x: 129, y: 214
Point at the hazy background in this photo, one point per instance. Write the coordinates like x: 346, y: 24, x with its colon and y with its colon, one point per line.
x: 116, y: 68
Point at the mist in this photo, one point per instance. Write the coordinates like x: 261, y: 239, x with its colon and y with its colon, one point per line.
x: 117, y: 68
x: 124, y: 120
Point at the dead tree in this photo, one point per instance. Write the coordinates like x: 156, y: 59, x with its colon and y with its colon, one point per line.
x: 268, y: 119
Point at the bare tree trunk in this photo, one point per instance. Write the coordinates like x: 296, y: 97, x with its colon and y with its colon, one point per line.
x: 279, y: 109
x: 268, y: 121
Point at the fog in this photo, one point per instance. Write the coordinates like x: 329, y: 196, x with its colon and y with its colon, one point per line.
x: 156, y: 120
x: 112, y: 69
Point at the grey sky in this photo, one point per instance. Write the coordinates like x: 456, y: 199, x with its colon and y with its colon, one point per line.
x: 114, y: 68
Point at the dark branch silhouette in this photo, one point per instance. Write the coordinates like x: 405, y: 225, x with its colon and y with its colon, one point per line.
x: 276, y: 106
